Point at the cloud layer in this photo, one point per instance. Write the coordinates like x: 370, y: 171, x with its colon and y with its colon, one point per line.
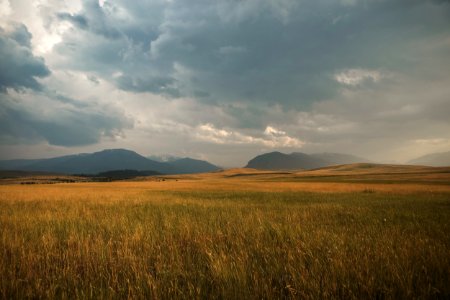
x: 256, y: 50
x: 226, y: 80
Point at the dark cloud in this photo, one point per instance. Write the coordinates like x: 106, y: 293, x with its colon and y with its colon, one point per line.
x: 57, y: 119
x: 92, y: 18
x: 157, y: 85
x: 265, y: 51
x: 39, y: 113
x: 78, y: 20
x: 18, y: 66
x: 369, y: 77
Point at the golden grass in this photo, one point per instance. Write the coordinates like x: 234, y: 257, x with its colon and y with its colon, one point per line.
x: 353, y: 173
x: 215, y: 184
x: 212, y: 237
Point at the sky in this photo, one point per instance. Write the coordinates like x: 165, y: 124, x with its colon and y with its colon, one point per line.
x: 225, y: 80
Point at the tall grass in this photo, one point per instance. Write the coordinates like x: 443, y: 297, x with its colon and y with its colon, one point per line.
x: 67, y: 242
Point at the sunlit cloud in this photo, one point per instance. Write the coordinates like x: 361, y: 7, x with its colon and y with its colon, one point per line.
x: 271, y: 137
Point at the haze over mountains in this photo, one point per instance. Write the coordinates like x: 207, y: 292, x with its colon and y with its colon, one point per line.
x: 163, y: 158
x: 433, y: 159
x: 298, y: 160
x: 107, y: 160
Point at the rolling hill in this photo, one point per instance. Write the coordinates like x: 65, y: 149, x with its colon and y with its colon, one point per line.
x: 107, y: 160
x: 339, y: 158
x: 298, y: 160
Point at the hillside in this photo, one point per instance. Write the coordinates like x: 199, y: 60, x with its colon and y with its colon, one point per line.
x: 339, y: 158
x: 434, y: 159
x: 298, y: 160
x: 354, y: 173
x: 281, y: 161
x: 107, y: 160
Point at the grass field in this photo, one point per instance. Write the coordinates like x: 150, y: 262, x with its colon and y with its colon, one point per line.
x: 225, y: 236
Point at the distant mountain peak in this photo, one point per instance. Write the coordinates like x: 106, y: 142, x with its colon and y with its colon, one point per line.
x: 108, y: 160
x: 299, y: 160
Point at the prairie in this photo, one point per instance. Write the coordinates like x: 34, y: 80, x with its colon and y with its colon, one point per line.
x: 234, y: 234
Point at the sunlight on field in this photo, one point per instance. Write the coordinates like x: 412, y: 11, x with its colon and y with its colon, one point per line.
x: 216, y: 238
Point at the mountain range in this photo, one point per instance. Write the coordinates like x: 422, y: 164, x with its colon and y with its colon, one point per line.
x: 298, y: 160
x: 107, y: 160
x: 122, y: 159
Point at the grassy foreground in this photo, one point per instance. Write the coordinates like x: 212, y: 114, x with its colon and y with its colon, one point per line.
x: 110, y: 241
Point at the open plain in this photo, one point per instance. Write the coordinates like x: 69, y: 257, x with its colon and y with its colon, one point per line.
x: 355, y: 231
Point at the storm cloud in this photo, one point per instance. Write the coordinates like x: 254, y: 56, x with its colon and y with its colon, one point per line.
x: 30, y: 118
x: 30, y: 112
x: 259, y: 51
x: 19, y: 67
x: 225, y: 80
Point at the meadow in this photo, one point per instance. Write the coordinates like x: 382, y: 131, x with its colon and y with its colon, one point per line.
x: 225, y: 237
